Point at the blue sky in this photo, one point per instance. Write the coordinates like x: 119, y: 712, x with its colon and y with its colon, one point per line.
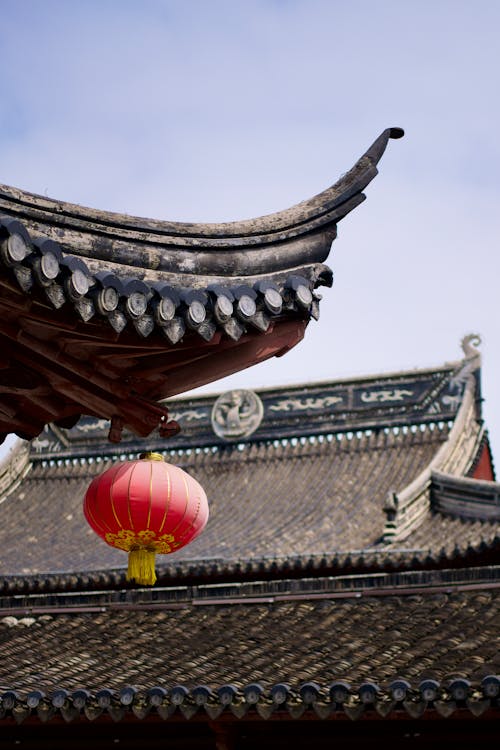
x: 210, y: 111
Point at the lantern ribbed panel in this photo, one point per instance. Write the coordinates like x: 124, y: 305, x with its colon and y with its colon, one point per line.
x: 146, y: 504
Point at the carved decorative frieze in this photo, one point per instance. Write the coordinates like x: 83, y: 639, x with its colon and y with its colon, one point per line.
x: 236, y: 414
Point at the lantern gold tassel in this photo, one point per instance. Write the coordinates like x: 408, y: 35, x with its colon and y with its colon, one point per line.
x: 141, y: 566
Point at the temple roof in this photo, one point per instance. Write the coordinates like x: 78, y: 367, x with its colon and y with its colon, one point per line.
x: 348, y: 569
x: 387, y: 472
x: 106, y: 314
x: 405, y: 644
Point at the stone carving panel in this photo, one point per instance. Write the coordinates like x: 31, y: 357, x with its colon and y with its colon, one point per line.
x: 237, y: 414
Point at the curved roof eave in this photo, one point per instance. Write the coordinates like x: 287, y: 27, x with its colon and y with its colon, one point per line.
x: 283, y: 240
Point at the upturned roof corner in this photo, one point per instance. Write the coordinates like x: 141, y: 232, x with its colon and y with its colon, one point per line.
x: 456, y: 459
x: 107, y: 314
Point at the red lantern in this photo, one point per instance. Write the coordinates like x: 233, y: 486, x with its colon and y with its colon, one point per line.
x: 144, y: 507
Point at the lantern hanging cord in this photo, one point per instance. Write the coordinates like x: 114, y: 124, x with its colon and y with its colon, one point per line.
x: 141, y: 566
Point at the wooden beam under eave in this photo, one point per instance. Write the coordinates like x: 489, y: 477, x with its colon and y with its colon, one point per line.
x: 216, y: 365
x: 120, y: 385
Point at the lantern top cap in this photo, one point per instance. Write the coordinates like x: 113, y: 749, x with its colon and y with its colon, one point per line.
x: 151, y: 456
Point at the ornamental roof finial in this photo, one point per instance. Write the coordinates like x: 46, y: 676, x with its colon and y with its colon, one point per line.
x: 468, y: 344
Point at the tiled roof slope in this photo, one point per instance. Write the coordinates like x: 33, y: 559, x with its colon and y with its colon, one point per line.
x: 265, y: 501
x: 327, y: 497
x: 345, y: 644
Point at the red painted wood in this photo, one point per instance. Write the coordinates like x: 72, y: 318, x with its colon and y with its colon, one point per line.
x: 484, y: 466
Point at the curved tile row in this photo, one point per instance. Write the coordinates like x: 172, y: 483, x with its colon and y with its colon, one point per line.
x: 271, y: 568
x: 171, y: 309
x: 400, y: 695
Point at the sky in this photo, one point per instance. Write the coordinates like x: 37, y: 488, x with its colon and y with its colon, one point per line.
x: 217, y: 111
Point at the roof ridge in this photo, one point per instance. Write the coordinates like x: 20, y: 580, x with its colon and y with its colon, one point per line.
x: 317, y: 567
x: 285, y: 589
x: 341, y: 197
x: 269, y: 448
